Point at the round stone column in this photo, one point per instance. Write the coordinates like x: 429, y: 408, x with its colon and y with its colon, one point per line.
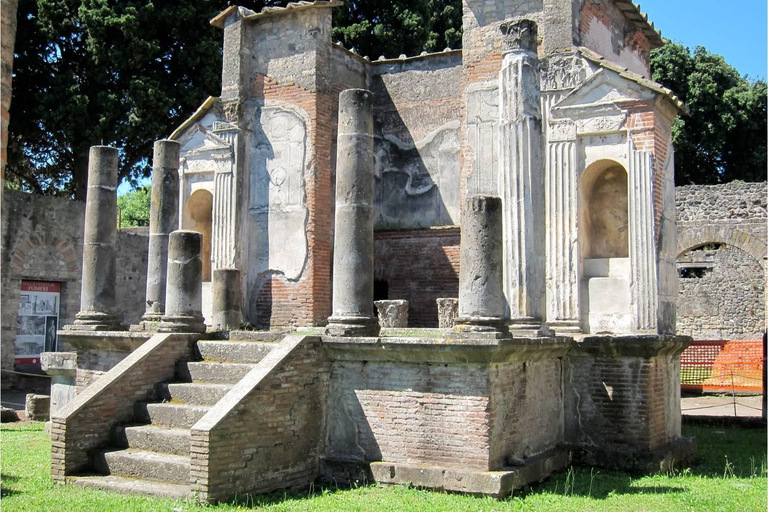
x: 97, y: 296
x: 481, y: 295
x: 227, y: 310
x: 184, y: 289
x: 353, y: 243
x: 163, y: 219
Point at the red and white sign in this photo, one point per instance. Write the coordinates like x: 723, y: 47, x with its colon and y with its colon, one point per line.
x: 38, y: 320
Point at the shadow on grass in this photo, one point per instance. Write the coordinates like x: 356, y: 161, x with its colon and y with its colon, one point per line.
x: 4, y: 481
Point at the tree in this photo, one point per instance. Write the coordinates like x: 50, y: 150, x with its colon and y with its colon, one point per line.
x: 134, y: 207
x: 97, y: 71
x: 391, y: 28
x: 724, y: 137
x: 127, y: 73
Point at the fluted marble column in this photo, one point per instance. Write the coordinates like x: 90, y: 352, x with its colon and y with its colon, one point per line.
x: 521, y: 176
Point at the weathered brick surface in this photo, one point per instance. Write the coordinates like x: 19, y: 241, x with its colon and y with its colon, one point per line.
x: 268, y: 432
x: 410, y: 413
x: 526, y: 409
x: 623, y: 398
x: 85, y: 423
x: 423, y: 279
x: 8, y: 39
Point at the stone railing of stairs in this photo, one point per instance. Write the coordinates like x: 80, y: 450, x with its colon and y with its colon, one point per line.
x: 85, y: 424
x: 267, y: 432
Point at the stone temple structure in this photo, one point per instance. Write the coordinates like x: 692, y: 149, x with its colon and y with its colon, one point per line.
x: 542, y: 142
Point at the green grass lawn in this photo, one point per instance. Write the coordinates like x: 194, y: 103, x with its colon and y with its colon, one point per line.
x: 730, y: 475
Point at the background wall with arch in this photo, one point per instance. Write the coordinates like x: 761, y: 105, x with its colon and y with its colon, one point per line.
x: 722, y: 251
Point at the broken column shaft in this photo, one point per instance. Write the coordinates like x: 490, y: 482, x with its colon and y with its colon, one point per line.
x: 353, y: 243
x: 184, y: 289
x: 163, y: 218
x: 97, y: 296
x: 481, y: 298
x: 227, y: 310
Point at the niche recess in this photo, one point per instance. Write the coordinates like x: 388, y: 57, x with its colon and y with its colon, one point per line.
x: 198, y: 216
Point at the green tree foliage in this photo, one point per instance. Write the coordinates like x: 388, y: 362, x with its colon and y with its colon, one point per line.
x: 395, y: 27
x: 134, y: 207
x: 724, y: 137
x: 104, y: 72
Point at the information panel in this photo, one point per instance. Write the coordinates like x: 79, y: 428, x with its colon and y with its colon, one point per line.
x: 38, y: 320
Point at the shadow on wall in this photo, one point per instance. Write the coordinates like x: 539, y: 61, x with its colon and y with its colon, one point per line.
x: 417, y: 181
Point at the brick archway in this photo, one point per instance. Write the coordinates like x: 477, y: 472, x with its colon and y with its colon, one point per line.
x: 63, y: 246
x: 691, y: 237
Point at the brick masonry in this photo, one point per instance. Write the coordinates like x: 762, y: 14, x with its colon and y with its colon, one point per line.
x: 86, y: 422
x: 268, y: 432
x: 419, y: 280
x: 8, y: 30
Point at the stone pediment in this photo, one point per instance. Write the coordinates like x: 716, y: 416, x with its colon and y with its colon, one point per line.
x: 604, y: 93
x: 197, y: 139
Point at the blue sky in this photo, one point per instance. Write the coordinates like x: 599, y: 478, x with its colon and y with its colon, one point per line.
x: 735, y: 29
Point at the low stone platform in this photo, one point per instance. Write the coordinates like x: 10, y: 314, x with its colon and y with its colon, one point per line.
x: 498, y: 484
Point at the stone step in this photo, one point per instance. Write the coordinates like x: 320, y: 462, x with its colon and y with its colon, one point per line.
x: 212, y: 372
x: 234, y: 351
x: 266, y: 336
x: 154, y: 438
x: 143, y: 464
x: 169, y: 415
x: 124, y: 485
x: 192, y: 393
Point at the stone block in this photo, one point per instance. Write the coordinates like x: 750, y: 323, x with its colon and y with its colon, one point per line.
x: 447, y: 309
x: 38, y: 407
x: 392, y: 313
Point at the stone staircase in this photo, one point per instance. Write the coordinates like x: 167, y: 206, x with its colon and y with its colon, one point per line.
x: 151, y: 455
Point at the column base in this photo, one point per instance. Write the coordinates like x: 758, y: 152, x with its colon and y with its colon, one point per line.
x: 566, y: 326
x: 352, y: 326
x: 94, y: 321
x: 182, y: 323
x: 479, y: 326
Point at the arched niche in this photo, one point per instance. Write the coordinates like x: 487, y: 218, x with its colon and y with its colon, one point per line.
x: 198, y: 216
x: 604, y: 211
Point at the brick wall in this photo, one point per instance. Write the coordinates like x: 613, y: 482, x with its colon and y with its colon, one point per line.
x: 526, y: 409
x: 271, y: 437
x: 622, y: 398
x: 85, y: 423
x: 410, y: 413
x: 283, y: 302
x: 419, y: 266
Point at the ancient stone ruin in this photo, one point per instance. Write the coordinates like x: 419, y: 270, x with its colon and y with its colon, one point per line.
x: 543, y: 139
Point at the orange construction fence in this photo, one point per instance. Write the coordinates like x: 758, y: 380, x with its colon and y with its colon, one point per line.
x: 722, y: 366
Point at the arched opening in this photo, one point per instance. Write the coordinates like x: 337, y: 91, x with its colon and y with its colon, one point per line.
x: 198, y: 216
x: 606, y: 211
x: 604, y: 247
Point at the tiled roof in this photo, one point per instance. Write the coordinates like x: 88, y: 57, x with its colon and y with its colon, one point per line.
x: 632, y: 11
